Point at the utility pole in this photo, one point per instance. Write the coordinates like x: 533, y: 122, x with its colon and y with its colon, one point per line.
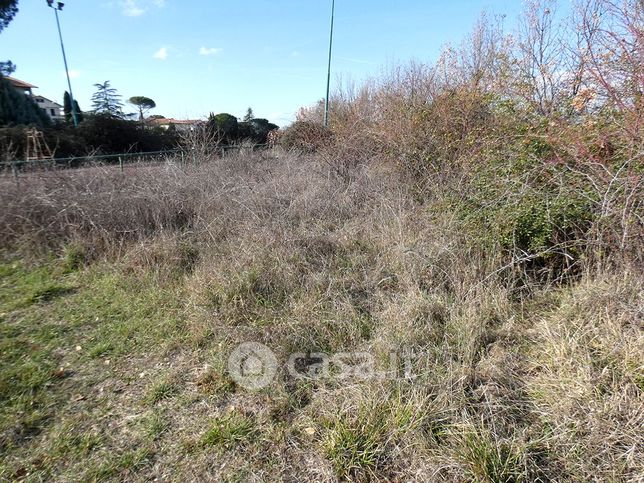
x: 328, y: 76
x: 57, y: 7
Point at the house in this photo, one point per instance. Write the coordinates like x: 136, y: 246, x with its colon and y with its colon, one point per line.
x: 178, y: 124
x: 52, y: 109
x: 49, y: 107
x: 22, y: 86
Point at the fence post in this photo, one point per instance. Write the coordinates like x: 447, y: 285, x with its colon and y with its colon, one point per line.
x: 121, y: 163
x: 14, y: 170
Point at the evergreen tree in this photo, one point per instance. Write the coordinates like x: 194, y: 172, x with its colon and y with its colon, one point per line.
x: 106, y: 101
x: 224, y: 125
x: 7, y: 68
x: 143, y: 104
x: 67, y: 108
x: 261, y: 128
x: 79, y: 113
x: 249, y: 115
x: 8, y: 8
x: 18, y: 108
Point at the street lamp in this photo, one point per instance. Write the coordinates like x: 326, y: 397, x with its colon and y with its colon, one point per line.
x: 328, y: 76
x: 57, y: 7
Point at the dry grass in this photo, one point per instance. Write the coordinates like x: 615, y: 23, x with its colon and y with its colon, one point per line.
x: 472, y: 240
x: 505, y: 385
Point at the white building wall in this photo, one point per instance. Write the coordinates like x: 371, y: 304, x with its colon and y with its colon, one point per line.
x: 51, y: 108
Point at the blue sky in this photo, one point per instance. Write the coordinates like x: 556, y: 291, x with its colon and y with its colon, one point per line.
x: 199, y: 56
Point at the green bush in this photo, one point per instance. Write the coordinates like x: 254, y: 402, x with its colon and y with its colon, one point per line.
x: 547, y: 235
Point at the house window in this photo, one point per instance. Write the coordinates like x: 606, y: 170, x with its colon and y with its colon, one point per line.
x: 53, y: 112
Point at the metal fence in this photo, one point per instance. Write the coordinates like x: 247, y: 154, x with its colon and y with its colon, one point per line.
x: 20, y: 168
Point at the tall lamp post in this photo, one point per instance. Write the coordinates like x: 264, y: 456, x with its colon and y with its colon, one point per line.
x: 328, y: 75
x: 57, y: 7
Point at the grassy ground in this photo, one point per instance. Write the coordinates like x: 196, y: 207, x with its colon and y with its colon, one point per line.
x: 114, y: 347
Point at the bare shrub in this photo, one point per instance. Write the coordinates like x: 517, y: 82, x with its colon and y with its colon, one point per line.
x: 305, y: 136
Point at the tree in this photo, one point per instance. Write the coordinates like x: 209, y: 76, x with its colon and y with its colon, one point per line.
x: 143, y: 104
x: 7, y: 68
x: 8, y: 9
x: 249, y: 115
x: 106, y: 100
x: 108, y: 134
x: 79, y: 113
x: 541, y: 47
x: 224, y: 125
x: 245, y: 131
x: 17, y: 108
x: 261, y: 128
x: 67, y: 108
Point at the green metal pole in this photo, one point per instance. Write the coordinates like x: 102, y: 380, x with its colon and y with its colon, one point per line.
x: 328, y: 76
x: 69, y: 83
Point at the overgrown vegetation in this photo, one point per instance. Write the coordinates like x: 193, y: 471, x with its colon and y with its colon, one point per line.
x: 485, y: 232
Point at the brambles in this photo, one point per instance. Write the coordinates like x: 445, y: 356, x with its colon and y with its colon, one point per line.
x: 305, y: 136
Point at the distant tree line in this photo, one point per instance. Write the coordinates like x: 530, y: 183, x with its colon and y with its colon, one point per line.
x: 107, y: 129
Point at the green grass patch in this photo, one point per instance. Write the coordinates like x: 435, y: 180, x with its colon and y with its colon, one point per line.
x: 489, y: 460
x: 155, y: 425
x: 359, y: 446
x: 162, y: 390
x: 56, y: 326
x: 119, y: 466
x: 230, y: 431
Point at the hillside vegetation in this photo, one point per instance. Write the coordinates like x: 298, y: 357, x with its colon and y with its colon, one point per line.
x: 475, y: 226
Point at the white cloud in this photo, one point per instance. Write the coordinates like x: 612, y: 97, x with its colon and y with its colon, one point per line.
x: 74, y: 74
x: 130, y: 8
x: 136, y: 8
x: 355, y: 61
x: 209, y: 51
x: 161, y: 54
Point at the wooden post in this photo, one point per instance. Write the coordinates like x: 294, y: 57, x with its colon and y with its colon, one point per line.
x: 121, y: 163
x: 14, y: 170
